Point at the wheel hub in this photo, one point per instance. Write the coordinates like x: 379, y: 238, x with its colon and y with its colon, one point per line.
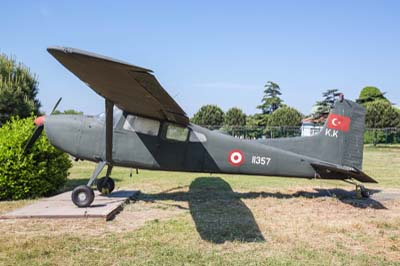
x: 82, y: 196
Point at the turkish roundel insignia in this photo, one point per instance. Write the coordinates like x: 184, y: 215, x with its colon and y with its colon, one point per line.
x: 236, y: 157
x: 339, y: 122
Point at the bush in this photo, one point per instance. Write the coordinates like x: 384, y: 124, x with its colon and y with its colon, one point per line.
x: 374, y: 137
x: 40, y: 173
x: 383, y: 135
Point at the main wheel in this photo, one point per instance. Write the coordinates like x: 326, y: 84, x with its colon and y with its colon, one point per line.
x: 105, y: 185
x: 82, y: 196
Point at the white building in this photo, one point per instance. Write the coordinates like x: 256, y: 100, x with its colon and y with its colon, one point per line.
x: 308, y: 128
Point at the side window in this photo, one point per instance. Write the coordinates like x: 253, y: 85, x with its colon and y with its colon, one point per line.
x: 197, y: 137
x: 142, y: 125
x: 175, y: 132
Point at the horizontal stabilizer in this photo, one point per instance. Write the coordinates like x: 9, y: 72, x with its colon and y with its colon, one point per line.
x: 326, y: 171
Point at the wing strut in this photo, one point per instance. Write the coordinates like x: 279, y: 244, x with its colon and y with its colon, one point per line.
x: 109, y: 130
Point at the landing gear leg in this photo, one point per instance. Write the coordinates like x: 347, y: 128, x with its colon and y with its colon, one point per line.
x: 361, y: 191
x: 83, y: 196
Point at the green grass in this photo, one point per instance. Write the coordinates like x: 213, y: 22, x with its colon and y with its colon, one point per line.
x: 198, y: 219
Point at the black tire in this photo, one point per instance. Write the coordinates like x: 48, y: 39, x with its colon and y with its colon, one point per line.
x: 82, y: 196
x: 105, y: 185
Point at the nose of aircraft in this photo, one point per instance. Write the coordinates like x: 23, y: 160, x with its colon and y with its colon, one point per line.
x: 63, y: 131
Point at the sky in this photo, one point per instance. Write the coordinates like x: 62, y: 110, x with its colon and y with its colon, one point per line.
x: 213, y: 52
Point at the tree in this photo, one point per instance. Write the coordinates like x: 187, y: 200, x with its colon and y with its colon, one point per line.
x: 255, y: 125
x: 284, y: 122
x: 381, y: 114
x: 271, y: 100
x: 67, y: 112
x: 18, y: 90
x: 235, y: 117
x: 324, y: 106
x: 370, y: 94
x: 210, y: 116
x: 234, y: 122
x: 285, y: 116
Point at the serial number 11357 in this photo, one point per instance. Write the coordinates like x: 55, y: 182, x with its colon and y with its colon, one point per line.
x: 260, y: 160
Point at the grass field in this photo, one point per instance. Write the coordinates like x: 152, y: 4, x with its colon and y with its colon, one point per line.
x: 202, y: 219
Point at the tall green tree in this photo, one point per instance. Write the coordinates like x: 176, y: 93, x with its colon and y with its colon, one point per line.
x: 18, y: 90
x: 370, y: 94
x: 210, y: 116
x: 271, y: 100
x: 324, y: 106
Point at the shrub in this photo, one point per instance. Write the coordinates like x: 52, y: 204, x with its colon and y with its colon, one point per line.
x: 41, y: 172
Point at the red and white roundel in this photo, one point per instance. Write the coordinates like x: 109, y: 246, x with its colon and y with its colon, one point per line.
x: 236, y: 157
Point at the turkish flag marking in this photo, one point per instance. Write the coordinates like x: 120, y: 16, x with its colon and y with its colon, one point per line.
x: 339, y: 122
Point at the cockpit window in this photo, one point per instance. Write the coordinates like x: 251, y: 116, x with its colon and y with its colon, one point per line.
x: 175, y: 132
x: 117, y: 113
x: 142, y: 125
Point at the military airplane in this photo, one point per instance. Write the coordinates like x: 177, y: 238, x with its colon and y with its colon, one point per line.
x: 143, y: 127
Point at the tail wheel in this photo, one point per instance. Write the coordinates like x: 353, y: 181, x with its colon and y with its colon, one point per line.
x: 105, y: 185
x: 82, y: 196
x: 365, y: 192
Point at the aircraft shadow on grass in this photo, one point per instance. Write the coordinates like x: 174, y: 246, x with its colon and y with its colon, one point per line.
x: 345, y: 196
x: 220, y: 215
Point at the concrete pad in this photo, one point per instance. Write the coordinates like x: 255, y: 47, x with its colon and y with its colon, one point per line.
x: 61, y: 206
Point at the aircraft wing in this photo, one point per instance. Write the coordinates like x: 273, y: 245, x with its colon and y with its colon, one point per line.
x: 131, y: 88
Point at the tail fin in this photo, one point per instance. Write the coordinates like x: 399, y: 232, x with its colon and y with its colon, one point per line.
x: 339, y: 142
x: 338, y: 148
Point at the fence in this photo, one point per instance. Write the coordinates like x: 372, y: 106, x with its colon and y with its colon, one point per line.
x: 371, y: 135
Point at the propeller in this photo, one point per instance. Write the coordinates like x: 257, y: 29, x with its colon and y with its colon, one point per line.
x: 39, y: 122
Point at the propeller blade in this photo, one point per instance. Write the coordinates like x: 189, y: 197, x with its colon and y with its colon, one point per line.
x: 55, y: 106
x: 39, y: 122
x: 33, y: 138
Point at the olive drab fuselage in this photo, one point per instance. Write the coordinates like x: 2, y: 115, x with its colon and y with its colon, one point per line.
x: 198, y: 150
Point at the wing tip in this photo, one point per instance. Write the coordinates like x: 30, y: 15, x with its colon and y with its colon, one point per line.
x: 54, y: 50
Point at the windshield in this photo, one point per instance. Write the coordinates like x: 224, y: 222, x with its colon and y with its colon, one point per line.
x: 117, y: 115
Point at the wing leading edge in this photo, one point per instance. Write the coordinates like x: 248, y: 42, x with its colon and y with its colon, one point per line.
x: 131, y: 88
